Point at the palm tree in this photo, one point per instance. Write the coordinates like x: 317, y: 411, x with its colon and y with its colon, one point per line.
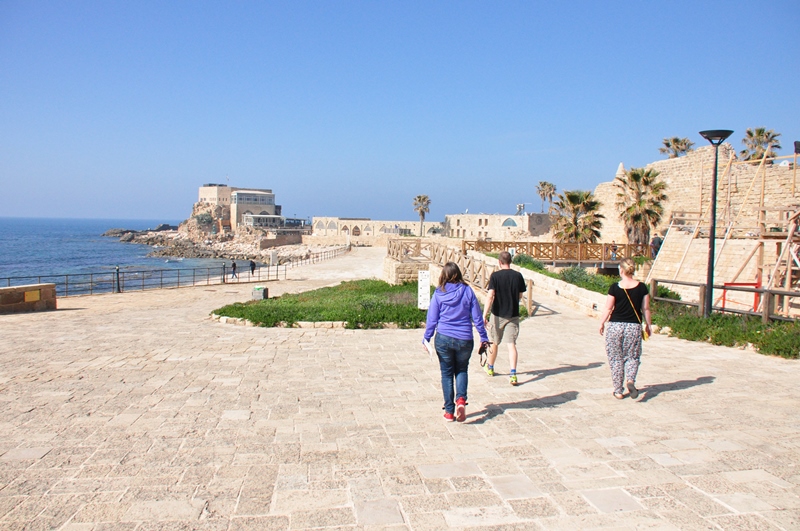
x: 640, y: 198
x: 675, y: 147
x: 759, y: 143
x: 422, y: 205
x: 576, y: 218
x: 546, y: 191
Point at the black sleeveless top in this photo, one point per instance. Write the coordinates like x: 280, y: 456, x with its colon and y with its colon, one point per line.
x: 623, y: 313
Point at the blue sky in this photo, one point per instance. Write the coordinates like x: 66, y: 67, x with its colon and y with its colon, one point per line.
x: 122, y: 109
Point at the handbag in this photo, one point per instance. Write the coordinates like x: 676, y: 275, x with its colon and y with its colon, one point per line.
x: 645, y: 335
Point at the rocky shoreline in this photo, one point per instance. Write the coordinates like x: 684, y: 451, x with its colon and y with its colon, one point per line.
x: 170, y: 242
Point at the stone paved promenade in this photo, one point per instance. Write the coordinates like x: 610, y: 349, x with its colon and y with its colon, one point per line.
x: 138, y: 412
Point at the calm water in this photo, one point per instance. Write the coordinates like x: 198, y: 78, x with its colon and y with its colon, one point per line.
x: 34, y: 246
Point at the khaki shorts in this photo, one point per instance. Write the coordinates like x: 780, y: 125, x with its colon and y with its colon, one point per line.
x: 503, y: 329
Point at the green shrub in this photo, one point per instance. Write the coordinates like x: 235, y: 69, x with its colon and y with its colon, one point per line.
x: 204, y: 219
x: 361, y: 304
x: 776, y: 338
x: 580, y: 277
x: 666, y: 293
x: 523, y: 260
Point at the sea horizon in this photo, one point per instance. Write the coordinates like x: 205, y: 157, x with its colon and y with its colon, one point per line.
x: 34, y: 247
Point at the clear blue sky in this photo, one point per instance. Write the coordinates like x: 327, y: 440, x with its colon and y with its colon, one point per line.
x: 122, y: 109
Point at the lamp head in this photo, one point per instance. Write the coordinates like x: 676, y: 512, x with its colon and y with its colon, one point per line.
x: 716, y: 136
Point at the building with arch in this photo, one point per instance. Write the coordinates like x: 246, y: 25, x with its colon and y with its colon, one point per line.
x: 498, y: 227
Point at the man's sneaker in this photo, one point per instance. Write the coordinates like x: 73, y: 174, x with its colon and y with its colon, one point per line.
x: 461, y: 410
x: 489, y: 370
x: 448, y: 417
x: 513, y: 379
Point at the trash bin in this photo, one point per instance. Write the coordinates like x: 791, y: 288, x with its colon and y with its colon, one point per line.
x: 260, y: 293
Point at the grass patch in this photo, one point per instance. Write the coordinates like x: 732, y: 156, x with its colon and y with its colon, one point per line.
x: 777, y: 338
x: 360, y: 304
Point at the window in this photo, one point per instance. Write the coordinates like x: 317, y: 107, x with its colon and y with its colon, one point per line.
x: 509, y: 223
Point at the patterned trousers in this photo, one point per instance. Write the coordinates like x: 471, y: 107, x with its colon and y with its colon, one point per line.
x: 624, y: 349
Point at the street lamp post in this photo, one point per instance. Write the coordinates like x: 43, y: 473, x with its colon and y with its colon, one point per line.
x: 716, y: 137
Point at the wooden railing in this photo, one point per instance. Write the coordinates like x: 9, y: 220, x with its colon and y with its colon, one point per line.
x: 773, y: 302
x: 561, y: 252
x: 475, y: 272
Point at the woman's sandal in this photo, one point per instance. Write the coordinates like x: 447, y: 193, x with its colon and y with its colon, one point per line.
x: 634, y: 393
x: 618, y: 396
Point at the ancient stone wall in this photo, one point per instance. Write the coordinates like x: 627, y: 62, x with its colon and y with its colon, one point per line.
x: 689, y: 181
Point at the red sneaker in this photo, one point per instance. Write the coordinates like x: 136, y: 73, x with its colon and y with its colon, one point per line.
x: 448, y: 417
x: 461, y: 409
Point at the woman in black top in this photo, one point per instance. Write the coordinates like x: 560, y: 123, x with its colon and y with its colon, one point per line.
x: 628, y: 301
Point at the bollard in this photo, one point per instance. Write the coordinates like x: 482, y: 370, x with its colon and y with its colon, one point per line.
x: 223, y: 272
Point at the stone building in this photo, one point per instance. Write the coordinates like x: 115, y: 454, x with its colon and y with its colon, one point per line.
x: 253, y: 207
x: 498, y: 227
x: 365, y: 231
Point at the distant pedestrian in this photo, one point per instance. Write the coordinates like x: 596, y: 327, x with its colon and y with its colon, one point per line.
x: 453, y: 311
x: 233, y: 270
x: 252, y: 267
x: 627, y: 303
x: 613, y: 250
x: 506, y: 287
x: 655, y: 246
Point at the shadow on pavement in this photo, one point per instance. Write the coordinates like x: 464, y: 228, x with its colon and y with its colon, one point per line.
x: 652, y: 391
x: 493, y: 410
x: 540, y: 375
x: 538, y: 310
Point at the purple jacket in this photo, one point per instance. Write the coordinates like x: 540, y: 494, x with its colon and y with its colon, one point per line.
x: 453, y: 313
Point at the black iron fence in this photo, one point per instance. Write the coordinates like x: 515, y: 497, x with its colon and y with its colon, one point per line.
x: 123, y: 279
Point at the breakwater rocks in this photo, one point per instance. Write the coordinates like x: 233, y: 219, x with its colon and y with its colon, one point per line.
x: 128, y: 235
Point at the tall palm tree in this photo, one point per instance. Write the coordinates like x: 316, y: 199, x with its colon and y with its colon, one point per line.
x: 546, y: 191
x: 675, y: 147
x: 759, y: 143
x: 576, y: 218
x: 422, y: 205
x: 640, y: 198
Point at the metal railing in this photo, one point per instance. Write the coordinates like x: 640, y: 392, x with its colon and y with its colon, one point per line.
x: 124, y: 280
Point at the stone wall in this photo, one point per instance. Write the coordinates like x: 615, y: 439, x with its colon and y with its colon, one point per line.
x: 689, y: 179
x: 30, y: 298
x: 273, y: 240
x: 583, y: 300
x: 395, y: 272
x: 730, y: 257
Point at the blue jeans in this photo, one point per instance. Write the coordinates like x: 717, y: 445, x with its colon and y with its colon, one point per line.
x: 454, y: 357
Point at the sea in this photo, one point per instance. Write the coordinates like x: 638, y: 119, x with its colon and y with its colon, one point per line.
x: 36, y: 247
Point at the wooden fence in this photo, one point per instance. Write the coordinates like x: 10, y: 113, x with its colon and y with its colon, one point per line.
x: 475, y: 272
x: 561, y: 252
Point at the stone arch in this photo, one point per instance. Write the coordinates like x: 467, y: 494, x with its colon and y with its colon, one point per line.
x: 320, y: 225
x: 509, y: 223
x: 367, y: 229
x: 332, y: 225
x: 356, y: 231
x: 344, y: 229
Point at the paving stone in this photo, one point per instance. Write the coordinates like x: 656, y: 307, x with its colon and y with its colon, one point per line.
x: 136, y: 411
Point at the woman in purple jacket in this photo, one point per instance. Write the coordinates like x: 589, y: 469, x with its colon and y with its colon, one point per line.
x: 454, y: 310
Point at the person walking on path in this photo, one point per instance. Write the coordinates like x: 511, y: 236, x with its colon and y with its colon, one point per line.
x: 627, y: 301
x: 501, y: 313
x: 252, y: 268
x: 453, y: 311
x: 233, y: 270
